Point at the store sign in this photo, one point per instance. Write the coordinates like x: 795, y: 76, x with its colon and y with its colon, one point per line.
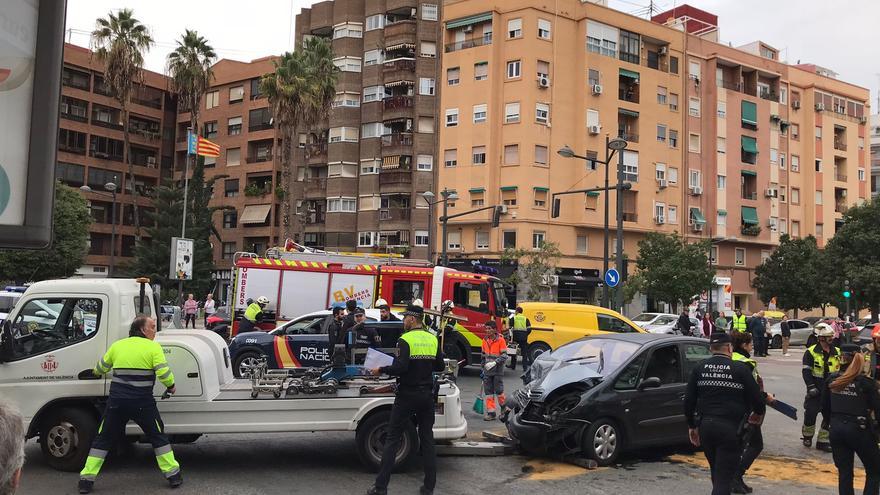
x: 181, y: 259
x: 31, y: 45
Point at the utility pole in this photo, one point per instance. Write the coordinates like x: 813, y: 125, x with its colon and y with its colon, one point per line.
x: 619, y: 299
x: 185, y: 193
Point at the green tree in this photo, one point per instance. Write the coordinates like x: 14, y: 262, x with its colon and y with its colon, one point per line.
x: 671, y: 270
x: 300, y: 91
x: 853, y: 255
x: 534, y: 265
x: 70, y: 242
x: 792, y: 274
x: 189, y: 67
x: 119, y: 42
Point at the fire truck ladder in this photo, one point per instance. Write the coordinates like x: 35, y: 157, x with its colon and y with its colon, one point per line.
x: 303, y: 253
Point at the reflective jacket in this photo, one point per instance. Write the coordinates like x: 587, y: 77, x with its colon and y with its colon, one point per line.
x: 495, y: 350
x: 520, y: 324
x: 418, y: 357
x: 136, y: 363
x: 253, y: 313
x: 739, y: 323
x: 815, y: 368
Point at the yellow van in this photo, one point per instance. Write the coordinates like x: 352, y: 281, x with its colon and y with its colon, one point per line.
x: 555, y: 324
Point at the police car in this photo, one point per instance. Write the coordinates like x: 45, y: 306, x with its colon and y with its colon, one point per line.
x: 8, y: 297
x: 300, y: 342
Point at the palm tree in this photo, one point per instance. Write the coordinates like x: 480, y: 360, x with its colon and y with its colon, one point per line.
x: 119, y: 42
x: 189, y: 67
x: 300, y: 92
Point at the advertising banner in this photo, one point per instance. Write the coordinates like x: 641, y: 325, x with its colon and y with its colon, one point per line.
x: 181, y: 258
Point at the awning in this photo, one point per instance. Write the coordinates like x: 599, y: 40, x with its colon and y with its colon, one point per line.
x: 749, y: 172
x: 508, y: 188
x: 628, y: 112
x: 723, y: 213
x: 467, y: 21
x: 255, y: 214
x: 400, y: 46
x: 477, y: 190
x: 749, y: 113
x: 749, y: 144
x: 749, y: 215
x: 399, y: 83
x: 697, y: 216
x: 391, y: 162
x: 593, y: 194
x: 628, y: 73
x: 542, y: 189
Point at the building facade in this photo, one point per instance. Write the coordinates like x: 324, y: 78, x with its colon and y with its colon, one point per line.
x: 236, y: 116
x: 359, y: 175
x: 90, y: 152
x: 875, y: 155
x: 723, y: 143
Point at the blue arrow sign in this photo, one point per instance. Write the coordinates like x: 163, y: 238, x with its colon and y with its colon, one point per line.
x: 612, y: 278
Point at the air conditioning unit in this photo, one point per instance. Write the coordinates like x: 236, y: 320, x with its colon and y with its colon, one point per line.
x: 151, y: 161
x: 552, y: 280
x: 543, y: 82
x: 597, y: 89
x: 696, y: 190
x: 863, y: 120
x: 65, y: 108
x: 796, y: 104
x: 820, y: 107
x: 594, y: 129
x: 771, y: 192
x: 660, y: 219
x: 698, y: 227
x: 662, y: 183
x: 412, y: 12
x: 664, y: 50
x: 469, y: 28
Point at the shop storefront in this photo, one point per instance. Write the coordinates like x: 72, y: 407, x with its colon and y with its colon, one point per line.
x: 578, y: 286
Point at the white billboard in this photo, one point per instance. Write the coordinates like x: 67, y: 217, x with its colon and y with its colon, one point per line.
x: 181, y: 259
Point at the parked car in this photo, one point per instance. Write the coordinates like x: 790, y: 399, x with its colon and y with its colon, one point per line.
x: 167, y: 312
x: 605, y: 394
x: 556, y: 324
x: 801, y: 331
x: 8, y: 297
x: 812, y: 320
x: 668, y: 324
x: 865, y: 322
x: 864, y: 336
x: 220, y: 317
x: 644, y: 319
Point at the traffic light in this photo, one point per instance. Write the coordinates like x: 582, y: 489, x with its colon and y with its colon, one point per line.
x: 557, y: 203
x: 846, y: 293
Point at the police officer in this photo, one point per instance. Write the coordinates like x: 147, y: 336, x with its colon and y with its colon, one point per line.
x: 522, y: 328
x: 738, y: 323
x: 253, y: 315
x: 820, y: 360
x: 850, y: 399
x: 332, y: 326
x: 418, y: 357
x: 136, y: 363
x: 720, y: 393
x: 364, y: 336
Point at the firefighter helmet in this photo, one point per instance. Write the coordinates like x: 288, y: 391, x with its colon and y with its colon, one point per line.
x: 824, y: 330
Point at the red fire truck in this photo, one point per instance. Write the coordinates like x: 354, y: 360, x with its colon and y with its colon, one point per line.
x: 299, y: 282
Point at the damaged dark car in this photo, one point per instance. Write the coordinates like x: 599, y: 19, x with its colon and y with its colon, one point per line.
x: 603, y: 395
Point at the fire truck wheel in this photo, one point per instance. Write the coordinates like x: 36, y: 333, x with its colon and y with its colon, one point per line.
x: 66, y: 437
x: 370, y: 439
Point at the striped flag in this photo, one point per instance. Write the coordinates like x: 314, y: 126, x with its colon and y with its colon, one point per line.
x: 197, y: 145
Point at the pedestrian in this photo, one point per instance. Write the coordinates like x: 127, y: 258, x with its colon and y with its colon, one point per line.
x: 851, y: 401
x: 756, y: 326
x: 385, y: 313
x: 11, y: 448
x: 720, y: 322
x: 253, y: 315
x: 332, y: 327
x: 720, y: 393
x: 137, y: 362
x: 785, y: 329
x: 494, y: 357
x: 522, y: 328
x: 684, y: 323
x: 190, y: 310
x: 752, y: 437
x: 739, y: 321
x: 210, y: 308
x: 820, y: 360
x: 418, y: 357
x: 708, y: 325
x: 871, y: 353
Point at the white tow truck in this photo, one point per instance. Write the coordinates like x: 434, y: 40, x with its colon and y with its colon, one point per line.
x: 60, y: 328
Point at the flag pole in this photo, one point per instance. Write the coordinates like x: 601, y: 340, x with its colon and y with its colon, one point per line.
x: 185, y: 192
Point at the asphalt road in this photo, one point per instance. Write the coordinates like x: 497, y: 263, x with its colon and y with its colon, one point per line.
x: 327, y: 463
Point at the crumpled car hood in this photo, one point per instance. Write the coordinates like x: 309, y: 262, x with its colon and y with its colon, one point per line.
x: 553, y: 373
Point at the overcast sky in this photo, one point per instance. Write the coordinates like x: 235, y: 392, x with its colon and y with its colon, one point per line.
x: 841, y: 35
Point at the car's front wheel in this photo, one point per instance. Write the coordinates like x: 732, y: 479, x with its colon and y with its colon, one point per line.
x: 776, y: 343
x: 245, y: 362
x: 603, y: 441
x: 536, y: 349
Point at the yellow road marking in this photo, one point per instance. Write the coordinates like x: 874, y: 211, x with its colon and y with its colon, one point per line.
x: 779, y: 468
x: 547, y: 470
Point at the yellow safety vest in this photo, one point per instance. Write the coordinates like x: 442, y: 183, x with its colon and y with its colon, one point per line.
x: 136, y: 363
x: 739, y: 323
x: 252, y: 311
x: 749, y: 361
x: 819, y: 361
x: 422, y: 344
x: 519, y: 322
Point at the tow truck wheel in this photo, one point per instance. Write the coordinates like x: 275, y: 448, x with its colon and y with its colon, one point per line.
x: 244, y: 362
x: 537, y: 349
x: 66, y: 437
x: 602, y: 442
x: 370, y: 439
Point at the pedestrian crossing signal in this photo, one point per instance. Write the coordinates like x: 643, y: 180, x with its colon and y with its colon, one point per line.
x: 847, y: 294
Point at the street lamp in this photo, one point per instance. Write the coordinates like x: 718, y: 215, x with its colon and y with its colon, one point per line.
x: 448, y: 195
x: 111, y: 187
x: 611, y: 146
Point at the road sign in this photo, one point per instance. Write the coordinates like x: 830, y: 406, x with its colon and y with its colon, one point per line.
x: 612, y: 278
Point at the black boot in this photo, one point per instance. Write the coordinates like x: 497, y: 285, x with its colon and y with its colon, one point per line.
x: 85, y: 486
x: 175, y: 480
x: 823, y: 446
x: 425, y: 491
x: 737, y: 485
x: 376, y: 491
x: 744, y: 485
x: 808, y: 442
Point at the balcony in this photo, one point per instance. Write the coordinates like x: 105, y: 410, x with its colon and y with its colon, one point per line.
x: 395, y: 177
x: 731, y: 85
x: 839, y: 145
x: 397, y: 102
x: 750, y: 230
x: 397, y: 139
x: 259, y: 126
x: 394, y: 214
x: 402, y: 27
x: 840, y: 207
x: 316, y: 149
x: 315, y: 186
x: 751, y: 196
x: 839, y: 176
x: 768, y: 95
x: 404, y: 64
x: 629, y: 216
x: 259, y: 158
x: 629, y: 137
x: 463, y: 45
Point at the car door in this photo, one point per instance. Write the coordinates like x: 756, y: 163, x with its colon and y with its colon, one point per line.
x: 655, y: 414
x: 309, y: 343
x: 800, y: 331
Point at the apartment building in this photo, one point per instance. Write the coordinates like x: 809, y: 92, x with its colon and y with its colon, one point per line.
x: 90, y: 152
x: 359, y: 175
x: 875, y: 155
x: 235, y: 115
x: 723, y: 143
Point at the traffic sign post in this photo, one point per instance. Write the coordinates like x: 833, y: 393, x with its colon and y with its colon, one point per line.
x: 612, y: 278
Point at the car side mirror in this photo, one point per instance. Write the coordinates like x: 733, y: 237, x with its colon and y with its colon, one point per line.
x: 650, y: 382
x: 6, y: 341
x: 42, y: 314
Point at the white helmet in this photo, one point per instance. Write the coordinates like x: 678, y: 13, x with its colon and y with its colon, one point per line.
x: 824, y: 330
x: 262, y: 300
x: 381, y: 302
x: 418, y: 302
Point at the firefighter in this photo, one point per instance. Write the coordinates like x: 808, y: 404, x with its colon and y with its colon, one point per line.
x: 820, y: 360
x: 253, y: 315
x: 385, y: 313
x: 494, y: 356
x: 871, y: 352
x: 136, y: 363
x: 522, y: 328
x: 738, y: 322
x: 418, y: 357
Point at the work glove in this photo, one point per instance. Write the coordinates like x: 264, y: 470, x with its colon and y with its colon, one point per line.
x: 812, y: 391
x: 490, y: 365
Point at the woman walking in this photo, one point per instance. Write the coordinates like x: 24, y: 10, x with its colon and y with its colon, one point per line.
x: 851, y: 399
x: 209, y: 307
x: 190, y: 309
